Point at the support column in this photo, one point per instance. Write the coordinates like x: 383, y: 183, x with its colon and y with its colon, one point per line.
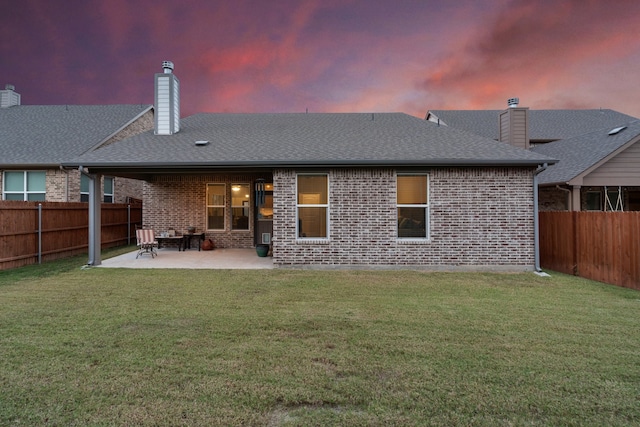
x: 575, y: 198
x: 95, y: 220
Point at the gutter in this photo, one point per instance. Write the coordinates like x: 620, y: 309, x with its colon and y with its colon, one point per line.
x: 122, y: 165
x: 536, y: 220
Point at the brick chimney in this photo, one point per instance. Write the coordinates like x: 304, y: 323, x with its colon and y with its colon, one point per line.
x: 9, y: 97
x: 514, y: 124
x: 167, y: 101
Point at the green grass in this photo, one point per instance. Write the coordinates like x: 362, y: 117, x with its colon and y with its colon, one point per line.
x: 278, y: 347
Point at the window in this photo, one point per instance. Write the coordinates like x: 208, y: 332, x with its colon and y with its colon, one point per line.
x: 216, y: 202
x: 313, y: 206
x: 25, y: 185
x: 413, y: 206
x: 107, y: 188
x: 240, y: 196
x: 594, y: 201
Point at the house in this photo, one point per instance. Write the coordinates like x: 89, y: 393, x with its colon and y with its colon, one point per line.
x: 36, y: 139
x: 599, y: 160
x: 599, y: 171
x: 331, y: 190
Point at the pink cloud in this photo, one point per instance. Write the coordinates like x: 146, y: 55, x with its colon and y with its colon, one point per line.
x: 538, y: 51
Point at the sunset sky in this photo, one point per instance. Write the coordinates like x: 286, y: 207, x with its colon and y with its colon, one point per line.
x: 327, y: 55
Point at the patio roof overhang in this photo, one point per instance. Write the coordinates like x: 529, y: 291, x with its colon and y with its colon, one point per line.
x: 139, y: 170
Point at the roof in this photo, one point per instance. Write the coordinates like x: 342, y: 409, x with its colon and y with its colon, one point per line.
x: 544, y: 125
x: 577, y: 155
x: 299, y: 139
x: 47, y: 135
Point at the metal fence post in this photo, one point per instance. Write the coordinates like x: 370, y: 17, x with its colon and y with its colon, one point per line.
x: 39, y: 233
x: 128, y: 224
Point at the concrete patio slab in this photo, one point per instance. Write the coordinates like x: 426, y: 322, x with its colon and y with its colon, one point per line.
x: 172, y: 258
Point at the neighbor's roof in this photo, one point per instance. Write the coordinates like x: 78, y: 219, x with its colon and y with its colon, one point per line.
x: 321, y: 139
x: 544, y: 125
x: 577, y: 155
x: 46, y: 135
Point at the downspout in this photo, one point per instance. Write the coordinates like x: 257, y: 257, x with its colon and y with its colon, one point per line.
x: 536, y: 221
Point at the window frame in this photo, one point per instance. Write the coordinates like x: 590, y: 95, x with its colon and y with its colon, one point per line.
x: 223, y: 206
x: 426, y: 206
x: 326, y: 206
x: 25, y: 192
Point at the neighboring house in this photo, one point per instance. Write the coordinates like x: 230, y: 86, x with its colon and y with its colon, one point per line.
x: 334, y: 189
x: 36, y: 139
x: 598, y: 171
x: 599, y: 160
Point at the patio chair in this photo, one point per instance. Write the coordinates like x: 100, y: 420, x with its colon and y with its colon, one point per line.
x: 146, y: 242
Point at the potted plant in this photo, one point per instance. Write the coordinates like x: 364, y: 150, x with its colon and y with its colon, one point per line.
x: 262, y: 250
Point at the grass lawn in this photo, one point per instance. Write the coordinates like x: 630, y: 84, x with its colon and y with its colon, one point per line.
x: 278, y: 347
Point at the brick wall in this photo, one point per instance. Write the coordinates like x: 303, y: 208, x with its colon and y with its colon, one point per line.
x: 125, y: 188
x: 176, y: 201
x: 479, y: 217
x: 64, y: 186
x: 552, y: 199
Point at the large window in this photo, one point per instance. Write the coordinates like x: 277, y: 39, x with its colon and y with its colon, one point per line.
x: 313, y: 206
x: 240, y: 196
x: 25, y: 185
x: 413, y: 206
x: 216, y: 202
x: 84, y: 189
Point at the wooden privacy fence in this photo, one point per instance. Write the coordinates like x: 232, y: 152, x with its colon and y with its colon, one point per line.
x: 31, y: 232
x: 602, y: 246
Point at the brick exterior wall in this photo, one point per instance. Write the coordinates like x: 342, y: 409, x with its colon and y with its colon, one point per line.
x: 179, y: 201
x: 480, y: 218
x: 552, y: 199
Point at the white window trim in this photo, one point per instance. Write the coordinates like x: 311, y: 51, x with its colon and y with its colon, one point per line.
x: 224, y: 207
x: 25, y: 193
x: 427, y: 211
x: 321, y: 205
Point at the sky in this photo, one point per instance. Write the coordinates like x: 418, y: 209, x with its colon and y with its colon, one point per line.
x: 247, y: 56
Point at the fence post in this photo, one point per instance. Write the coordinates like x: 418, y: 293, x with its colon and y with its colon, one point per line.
x: 39, y: 233
x: 128, y: 224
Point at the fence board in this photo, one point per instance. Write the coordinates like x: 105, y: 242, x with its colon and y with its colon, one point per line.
x: 65, y: 229
x: 602, y: 246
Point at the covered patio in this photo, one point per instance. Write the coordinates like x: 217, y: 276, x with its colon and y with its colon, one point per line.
x: 191, y: 259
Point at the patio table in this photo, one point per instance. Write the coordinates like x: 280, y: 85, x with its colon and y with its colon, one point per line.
x: 173, y: 239
x: 186, y: 242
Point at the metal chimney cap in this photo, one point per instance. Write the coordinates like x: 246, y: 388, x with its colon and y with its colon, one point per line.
x: 513, y: 102
x: 9, y: 87
x: 167, y: 66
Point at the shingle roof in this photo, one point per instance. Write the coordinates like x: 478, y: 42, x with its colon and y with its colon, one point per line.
x: 246, y: 140
x: 45, y: 135
x: 544, y: 125
x: 580, y: 153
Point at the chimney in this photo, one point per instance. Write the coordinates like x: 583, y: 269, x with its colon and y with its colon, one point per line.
x: 514, y: 124
x: 167, y: 101
x: 9, y: 97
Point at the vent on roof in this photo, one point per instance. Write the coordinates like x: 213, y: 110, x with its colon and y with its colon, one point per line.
x: 199, y: 143
x: 513, y: 102
x: 617, y: 130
